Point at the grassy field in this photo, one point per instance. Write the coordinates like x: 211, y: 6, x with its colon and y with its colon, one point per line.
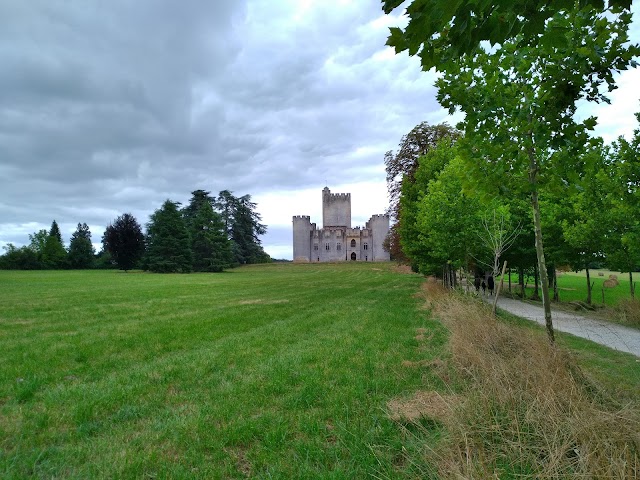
x: 278, y: 371
x: 274, y: 371
x: 572, y: 286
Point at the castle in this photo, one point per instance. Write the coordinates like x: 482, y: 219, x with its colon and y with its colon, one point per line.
x: 336, y: 241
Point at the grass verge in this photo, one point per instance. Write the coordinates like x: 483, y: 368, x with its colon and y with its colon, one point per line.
x: 525, y: 408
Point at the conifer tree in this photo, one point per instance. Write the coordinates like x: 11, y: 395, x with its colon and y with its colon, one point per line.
x: 124, y: 241
x: 243, y: 227
x: 209, y: 242
x: 54, y: 255
x: 168, y: 242
x: 81, y: 251
x: 55, y: 232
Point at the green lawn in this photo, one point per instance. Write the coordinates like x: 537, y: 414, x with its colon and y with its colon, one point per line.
x: 573, y: 286
x: 276, y: 371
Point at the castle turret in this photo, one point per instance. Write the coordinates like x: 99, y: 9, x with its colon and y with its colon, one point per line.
x: 302, y: 232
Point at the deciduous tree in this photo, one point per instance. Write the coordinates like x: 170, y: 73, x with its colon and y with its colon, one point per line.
x: 623, y: 192
x: 401, y: 167
x: 449, y: 221
x: 519, y: 96
x: 442, y: 31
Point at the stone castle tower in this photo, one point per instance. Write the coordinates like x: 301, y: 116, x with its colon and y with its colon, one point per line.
x: 336, y: 241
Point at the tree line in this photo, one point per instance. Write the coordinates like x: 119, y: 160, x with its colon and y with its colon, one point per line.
x: 517, y: 71
x: 447, y: 223
x: 209, y: 234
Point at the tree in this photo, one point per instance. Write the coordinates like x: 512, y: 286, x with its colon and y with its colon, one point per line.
x: 414, y: 188
x: 19, y: 258
x: 243, y: 227
x: 124, y: 241
x: 519, y: 97
x: 53, y: 254
x: 209, y: 242
x: 623, y: 246
x: 442, y: 31
x: 55, y: 232
x: 401, y: 168
x: 198, y: 199
x: 449, y: 222
x: 588, y: 216
x: 168, y: 242
x: 498, y: 234
x: 81, y: 251
x: 37, y: 241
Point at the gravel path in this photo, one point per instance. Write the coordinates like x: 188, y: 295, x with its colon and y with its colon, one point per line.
x: 612, y: 335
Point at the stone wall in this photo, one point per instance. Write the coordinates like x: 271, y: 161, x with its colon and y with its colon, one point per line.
x: 379, y: 226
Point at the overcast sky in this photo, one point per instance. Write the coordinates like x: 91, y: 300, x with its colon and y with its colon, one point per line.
x: 114, y: 107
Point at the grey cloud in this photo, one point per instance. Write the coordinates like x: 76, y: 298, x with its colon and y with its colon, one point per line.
x: 112, y: 107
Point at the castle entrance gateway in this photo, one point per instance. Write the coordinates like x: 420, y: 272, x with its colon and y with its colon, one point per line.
x: 337, y: 240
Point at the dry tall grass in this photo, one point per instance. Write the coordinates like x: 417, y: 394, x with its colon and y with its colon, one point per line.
x: 527, y: 410
x: 628, y: 311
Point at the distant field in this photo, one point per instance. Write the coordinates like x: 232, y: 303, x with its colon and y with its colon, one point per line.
x: 573, y: 286
x: 276, y: 371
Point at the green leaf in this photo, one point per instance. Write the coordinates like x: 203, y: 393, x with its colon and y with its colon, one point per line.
x: 396, y: 39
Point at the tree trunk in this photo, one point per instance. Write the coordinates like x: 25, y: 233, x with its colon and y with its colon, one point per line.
x: 521, y: 281
x: 497, y: 293
x: 533, y: 173
x: 542, y: 266
x: 631, y: 286
x: 588, y: 288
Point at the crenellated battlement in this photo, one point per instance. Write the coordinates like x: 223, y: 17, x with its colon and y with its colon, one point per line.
x: 333, y: 197
x: 379, y: 216
x: 302, y: 217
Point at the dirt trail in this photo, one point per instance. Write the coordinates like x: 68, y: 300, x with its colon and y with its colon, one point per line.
x: 612, y: 335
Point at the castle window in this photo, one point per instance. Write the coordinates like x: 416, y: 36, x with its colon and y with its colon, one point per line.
x: 365, y: 246
x: 353, y: 243
x: 315, y: 246
x: 338, y: 246
x: 327, y: 246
